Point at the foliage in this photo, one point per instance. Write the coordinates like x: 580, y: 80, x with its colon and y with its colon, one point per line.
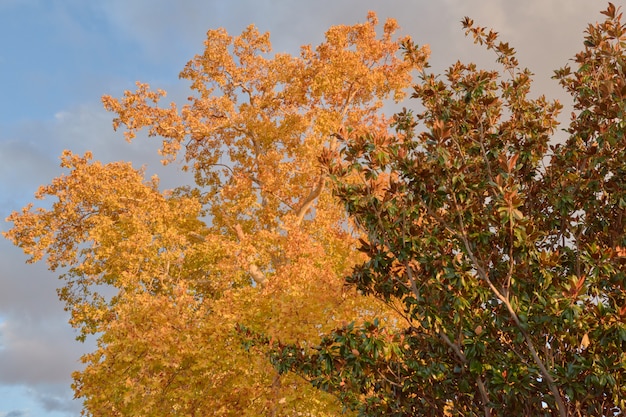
x: 162, y: 277
x: 504, y: 255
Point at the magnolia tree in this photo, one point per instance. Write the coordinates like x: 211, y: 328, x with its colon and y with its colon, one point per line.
x: 162, y: 277
x: 504, y: 255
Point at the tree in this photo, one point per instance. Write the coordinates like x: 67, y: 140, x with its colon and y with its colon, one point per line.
x: 503, y: 254
x: 161, y: 278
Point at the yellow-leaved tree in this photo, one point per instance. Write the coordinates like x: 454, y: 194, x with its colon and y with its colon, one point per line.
x: 162, y: 278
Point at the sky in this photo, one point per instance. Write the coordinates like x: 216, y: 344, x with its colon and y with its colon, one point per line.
x: 58, y: 57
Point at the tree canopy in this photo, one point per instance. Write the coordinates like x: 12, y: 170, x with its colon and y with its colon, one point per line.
x: 454, y: 260
x: 161, y: 277
x: 503, y: 253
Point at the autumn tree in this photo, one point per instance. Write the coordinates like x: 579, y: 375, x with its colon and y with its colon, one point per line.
x: 161, y: 278
x: 504, y: 254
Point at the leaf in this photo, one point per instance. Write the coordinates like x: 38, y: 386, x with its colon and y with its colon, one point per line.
x: 584, y: 342
x: 512, y: 163
x: 610, y: 11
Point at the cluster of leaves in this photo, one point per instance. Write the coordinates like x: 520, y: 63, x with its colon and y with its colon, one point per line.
x: 161, y: 278
x: 503, y: 255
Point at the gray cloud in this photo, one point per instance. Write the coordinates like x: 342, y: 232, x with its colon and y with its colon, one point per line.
x: 27, y: 291
x: 37, y: 356
x: 52, y: 399
x: 27, y: 166
x: 36, y: 351
x: 16, y: 413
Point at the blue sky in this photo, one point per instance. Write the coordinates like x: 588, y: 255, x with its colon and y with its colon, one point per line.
x: 57, y: 57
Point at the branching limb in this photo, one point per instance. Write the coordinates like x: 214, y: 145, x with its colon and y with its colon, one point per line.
x: 482, y: 273
x: 310, y: 199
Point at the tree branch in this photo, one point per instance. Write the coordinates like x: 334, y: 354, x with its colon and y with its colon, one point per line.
x: 308, y: 201
x: 505, y: 300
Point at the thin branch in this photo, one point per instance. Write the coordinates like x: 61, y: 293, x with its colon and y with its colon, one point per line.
x: 505, y: 300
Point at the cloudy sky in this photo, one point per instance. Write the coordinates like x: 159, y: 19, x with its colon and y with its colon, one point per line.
x: 57, y: 57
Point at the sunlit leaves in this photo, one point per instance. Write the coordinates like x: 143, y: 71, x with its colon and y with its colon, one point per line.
x: 508, y: 274
x: 163, y: 277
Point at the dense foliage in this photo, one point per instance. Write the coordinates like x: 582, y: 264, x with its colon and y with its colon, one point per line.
x: 162, y: 277
x: 504, y: 255
x: 485, y: 263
